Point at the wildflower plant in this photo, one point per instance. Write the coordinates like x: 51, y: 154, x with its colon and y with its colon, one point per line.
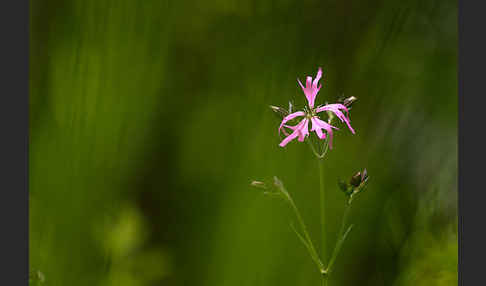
x: 295, y: 125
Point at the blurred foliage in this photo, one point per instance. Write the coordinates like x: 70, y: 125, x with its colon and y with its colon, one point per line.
x: 149, y: 119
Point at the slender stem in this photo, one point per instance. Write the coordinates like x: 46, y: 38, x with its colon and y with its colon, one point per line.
x: 323, y: 215
x: 323, y: 149
x: 337, y: 248
x: 322, y: 209
x: 347, y: 208
x: 306, y: 240
x: 311, y: 145
x: 341, y: 236
x: 320, y: 156
x: 310, y: 246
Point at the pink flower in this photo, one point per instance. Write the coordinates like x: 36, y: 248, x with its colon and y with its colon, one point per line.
x: 321, y: 128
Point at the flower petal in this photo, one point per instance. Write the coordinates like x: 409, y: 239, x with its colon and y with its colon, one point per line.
x: 336, y: 109
x: 303, y: 88
x: 311, y: 89
x: 318, y: 124
x: 318, y: 77
x: 300, y: 130
x: 304, y: 130
x: 332, y: 107
x: 317, y: 129
x: 290, y: 117
x: 308, y: 82
x: 288, y: 139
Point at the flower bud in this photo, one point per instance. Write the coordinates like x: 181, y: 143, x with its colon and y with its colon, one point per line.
x: 258, y: 184
x: 281, y: 112
x: 358, y: 179
x: 364, y: 175
x: 355, y: 180
x: 356, y: 184
x: 349, y: 101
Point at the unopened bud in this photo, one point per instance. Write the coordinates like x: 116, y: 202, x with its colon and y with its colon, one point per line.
x: 364, y: 175
x: 349, y: 101
x: 356, y: 184
x: 359, y: 179
x: 258, y: 184
x: 281, y: 112
x: 355, y: 180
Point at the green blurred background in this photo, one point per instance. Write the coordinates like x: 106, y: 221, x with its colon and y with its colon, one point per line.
x: 149, y: 119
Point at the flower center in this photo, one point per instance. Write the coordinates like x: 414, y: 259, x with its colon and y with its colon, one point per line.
x: 309, y: 112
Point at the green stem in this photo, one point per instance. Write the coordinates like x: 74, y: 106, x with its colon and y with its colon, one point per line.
x: 306, y: 240
x: 337, y: 248
x: 311, y: 145
x: 347, y: 208
x: 323, y: 215
x: 322, y: 209
x: 320, y: 157
x: 341, y: 236
x: 309, y: 244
